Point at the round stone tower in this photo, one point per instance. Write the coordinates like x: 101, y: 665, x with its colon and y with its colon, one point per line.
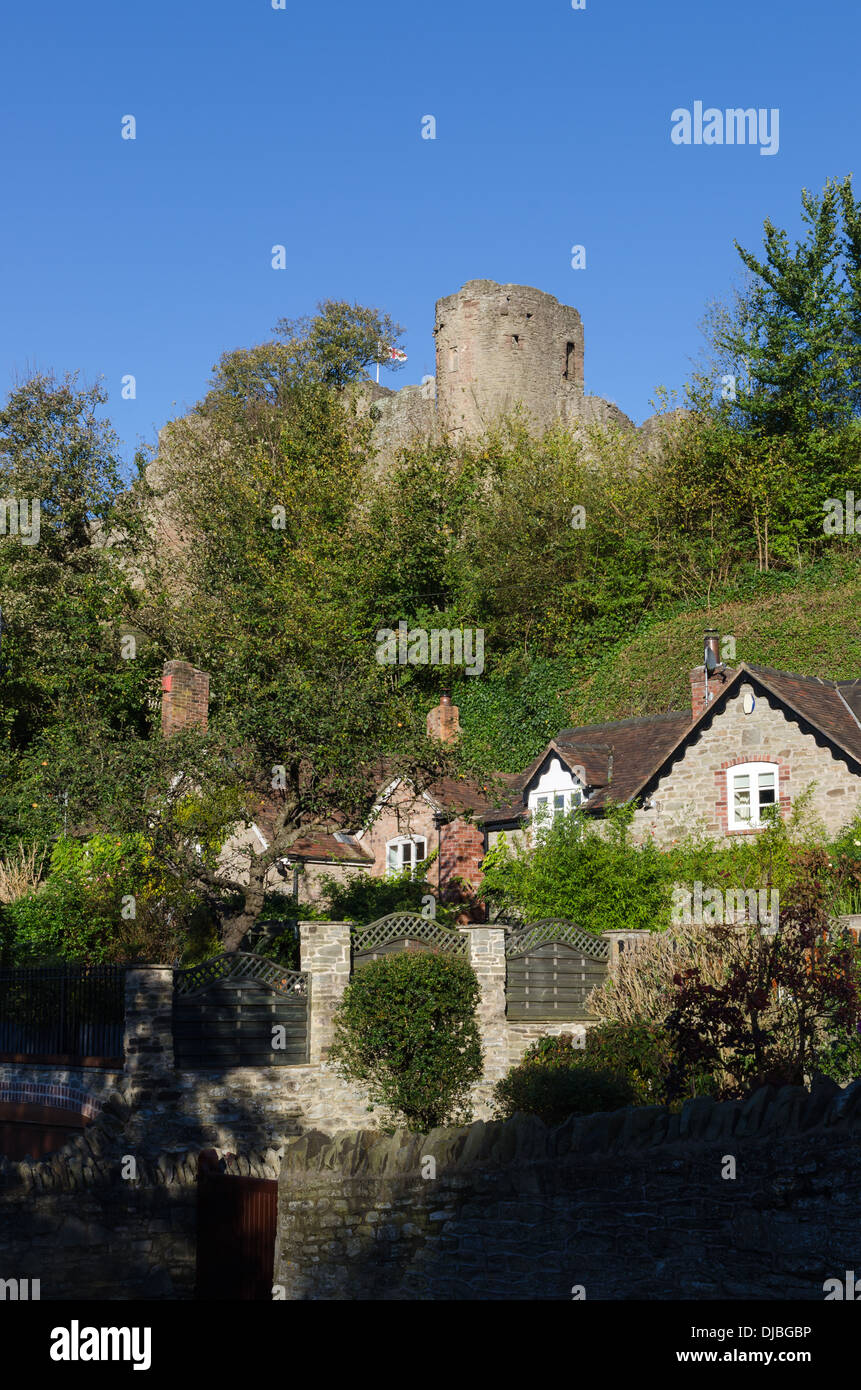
x: 500, y: 345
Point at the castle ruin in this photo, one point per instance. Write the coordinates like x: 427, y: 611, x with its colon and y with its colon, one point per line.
x: 497, y: 347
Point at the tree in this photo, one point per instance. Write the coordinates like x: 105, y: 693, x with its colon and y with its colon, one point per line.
x: 65, y: 598
x: 267, y: 596
x: 406, y: 1030
x: 341, y: 341
x: 784, y: 999
x: 791, y: 343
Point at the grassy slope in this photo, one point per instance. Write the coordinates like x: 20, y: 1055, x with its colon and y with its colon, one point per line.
x: 812, y: 628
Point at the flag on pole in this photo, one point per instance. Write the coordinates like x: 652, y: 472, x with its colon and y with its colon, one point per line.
x: 395, y: 355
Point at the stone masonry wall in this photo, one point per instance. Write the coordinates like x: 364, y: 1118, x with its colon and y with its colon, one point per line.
x: 497, y: 345
x: 633, y: 1204
x: 690, y: 794
x: 75, y: 1223
x: 255, y: 1108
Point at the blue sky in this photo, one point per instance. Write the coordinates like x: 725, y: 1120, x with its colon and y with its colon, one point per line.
x: 302, y: 127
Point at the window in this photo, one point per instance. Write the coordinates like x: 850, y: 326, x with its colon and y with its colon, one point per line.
x: 557, y: 793
x: 559, y: 803
x: 404, y: 853
x: 452, y: 359
x: 570, y: 373
x: 751, y: 790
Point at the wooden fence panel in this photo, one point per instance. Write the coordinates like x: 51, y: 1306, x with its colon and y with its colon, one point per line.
x: 227, y: 1016
x: 551, y: 969
x: 403, y: 931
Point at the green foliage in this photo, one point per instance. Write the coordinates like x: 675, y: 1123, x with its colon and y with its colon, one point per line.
x: 363, y: 898
x: 640, y: 1052
x: 341, y: 340
x: 638, y: 1056
x: 103, y: 899
x: 65, y: 599
x: 553, y: 1092
x: 582, y: 870
x: 785, y: 1004
x: 792, y: 338
x: 406, y: 1031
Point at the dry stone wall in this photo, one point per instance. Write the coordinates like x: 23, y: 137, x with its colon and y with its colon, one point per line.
x: 632, y: 1204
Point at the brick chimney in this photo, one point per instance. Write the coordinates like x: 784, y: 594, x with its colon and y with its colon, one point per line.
x: 184, y: 698
x: 442, y: 721
x: 699, y: 680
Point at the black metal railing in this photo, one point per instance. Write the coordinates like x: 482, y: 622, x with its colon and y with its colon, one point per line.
x: 62, y: 1013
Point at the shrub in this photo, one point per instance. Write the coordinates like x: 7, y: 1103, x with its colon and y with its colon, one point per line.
x: 103, y: 899
x: 589, y: 872
x: 549, y: 1051
x: 643, y: 988
x: 553, y: 1091
x: 406, y: 1030
x: 640, y: 1052
x: 788, y: 1003
x: 365, y: 898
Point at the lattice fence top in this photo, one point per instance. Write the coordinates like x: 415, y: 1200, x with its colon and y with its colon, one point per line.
x: 237, y: 966
x: 412, y: 925
x: 528, y: 938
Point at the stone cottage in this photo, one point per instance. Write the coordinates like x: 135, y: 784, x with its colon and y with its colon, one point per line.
x: 753, y: 738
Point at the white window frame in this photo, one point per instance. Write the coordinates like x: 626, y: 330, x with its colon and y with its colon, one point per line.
x: 559, y: 791
x: 754, y: 771
x: 398, y: 845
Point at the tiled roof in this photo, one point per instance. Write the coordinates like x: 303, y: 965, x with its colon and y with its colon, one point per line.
x: 615, y: 757
x: 639, y: 749
x: 343, y: 851
x: 816, y: 702
x: 820, y: 703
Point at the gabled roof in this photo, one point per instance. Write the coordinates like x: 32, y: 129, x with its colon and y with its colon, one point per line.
x: 824, y: 706
x: 641, y: 750
x: 614, y: 756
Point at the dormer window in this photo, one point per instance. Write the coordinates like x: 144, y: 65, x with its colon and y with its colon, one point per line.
x: 556, y: 793
x: 751, y: 791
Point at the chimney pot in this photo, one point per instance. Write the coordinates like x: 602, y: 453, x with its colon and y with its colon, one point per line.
x: 700, y: 684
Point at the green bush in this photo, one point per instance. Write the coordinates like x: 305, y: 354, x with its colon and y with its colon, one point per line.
x: 406, y: 1031
x: 581, y: 869
x: 640, y: 1052
x: 105, y: 898
x: 366, y: 898
x: 554, y: 1051
x: 553, y: 1091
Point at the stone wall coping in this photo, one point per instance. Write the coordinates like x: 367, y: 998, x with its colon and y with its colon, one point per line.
x: 94, y: 1159
x: 525, y: 1138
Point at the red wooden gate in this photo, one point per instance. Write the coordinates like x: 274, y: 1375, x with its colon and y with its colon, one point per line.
x: 235, y: 1234
x: 31, y: 1131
